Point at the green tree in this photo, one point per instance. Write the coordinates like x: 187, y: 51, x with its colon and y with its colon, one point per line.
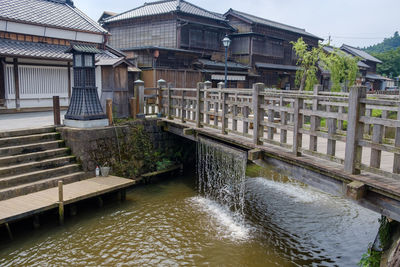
x: 306, y: 76
x: 390, y: 66
x: 343, y: 68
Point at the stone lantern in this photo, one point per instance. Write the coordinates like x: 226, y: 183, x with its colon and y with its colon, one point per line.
x: 85, y: 110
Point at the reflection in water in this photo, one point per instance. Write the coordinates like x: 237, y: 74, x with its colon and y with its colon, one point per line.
x: 167, y: 224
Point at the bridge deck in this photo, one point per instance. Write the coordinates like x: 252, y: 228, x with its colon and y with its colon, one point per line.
x: 27, y: 205
x: 381, y: 183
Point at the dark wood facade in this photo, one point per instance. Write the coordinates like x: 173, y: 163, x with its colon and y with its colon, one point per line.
x: 257, y: 43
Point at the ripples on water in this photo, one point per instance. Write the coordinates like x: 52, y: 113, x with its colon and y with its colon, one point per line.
x: 167, y: 224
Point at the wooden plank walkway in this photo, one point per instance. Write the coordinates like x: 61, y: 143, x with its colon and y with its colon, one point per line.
x: 28, y: 205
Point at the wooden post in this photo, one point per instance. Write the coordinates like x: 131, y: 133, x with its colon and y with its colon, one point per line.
x: 132, y: 102
x: 169, y: 101
x: 217, y: 104
x: 340, y: 122
x: 16, y: 84
x: 183, y: 111
x: 258, y: 113
x: 384, y: 116
x: 271, y: 118
x: 199, y: 105
x: 60, y: 202
x: 139, y: 95
x: 109, y: 111
x: 396, y: 162
x: 355, y: 128
x: 245, y: 111
x: 56, y: 110
x: 160, y: 84
x: 207, y: 85
x: 367, y: 127
x: 315, y: 122
x: 298, y: 124
x: 69, y: 82
x: 224, y: 119
x: 283, y: 134
x: 377, y: 138
x: 331, y: 151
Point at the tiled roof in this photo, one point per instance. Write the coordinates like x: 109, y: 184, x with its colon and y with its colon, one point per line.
x: 270, y: 23
x: 40, y: 50
x: 56, y: 13
x: 360, y: 53
x: 163, y: 7
x: 275, y: 66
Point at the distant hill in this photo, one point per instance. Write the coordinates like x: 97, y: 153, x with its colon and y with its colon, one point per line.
x: 387, y: 44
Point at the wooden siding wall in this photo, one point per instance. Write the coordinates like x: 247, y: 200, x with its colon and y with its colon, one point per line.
x: 2, y: 80
x: 193, y: 37
x: 144, y: 33
x: 31, y: 86
x: 240, y: 25
x: 115, y: 86
x: 240, y: 45
x: 178, y: 78
x: 32, y: 38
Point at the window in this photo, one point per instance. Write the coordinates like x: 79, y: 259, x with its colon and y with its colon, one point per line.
x: 78, y: 61
x: 88, y: 61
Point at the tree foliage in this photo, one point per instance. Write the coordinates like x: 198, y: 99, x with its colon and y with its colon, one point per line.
x: 390, y: 66
x: 342, y: 66
x: 343, y: 69
x: 387, y: 44
x: 306, y: 76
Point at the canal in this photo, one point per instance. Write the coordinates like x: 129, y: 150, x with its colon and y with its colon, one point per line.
x: 169, y: 224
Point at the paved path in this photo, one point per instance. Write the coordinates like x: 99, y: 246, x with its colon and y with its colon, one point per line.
x: 27, y: 120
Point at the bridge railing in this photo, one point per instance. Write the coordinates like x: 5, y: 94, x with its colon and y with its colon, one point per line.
x: 358, y: 131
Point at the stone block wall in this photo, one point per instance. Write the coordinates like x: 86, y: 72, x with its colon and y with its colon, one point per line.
x: 85, y: 142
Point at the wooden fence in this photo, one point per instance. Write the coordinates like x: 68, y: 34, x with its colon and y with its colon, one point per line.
x: 280, y: 117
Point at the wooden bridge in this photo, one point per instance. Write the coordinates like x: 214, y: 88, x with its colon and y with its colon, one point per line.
x: 352, y: 139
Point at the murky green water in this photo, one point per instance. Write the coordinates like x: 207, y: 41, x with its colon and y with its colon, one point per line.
x: 167, y: 224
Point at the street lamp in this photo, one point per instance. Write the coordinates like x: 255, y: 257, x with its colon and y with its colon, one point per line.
x: 226, y: 41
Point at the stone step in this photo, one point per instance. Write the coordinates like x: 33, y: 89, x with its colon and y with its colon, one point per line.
x: 41, y: 185
x: 30, y: 131
x: 35, y: 166
x: 29, y: 139
x: 31, y: 157
x: 37, y: 175
x: 31, y: 148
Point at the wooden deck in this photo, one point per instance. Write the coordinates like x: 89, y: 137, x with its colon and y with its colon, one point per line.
x: 28, y: 205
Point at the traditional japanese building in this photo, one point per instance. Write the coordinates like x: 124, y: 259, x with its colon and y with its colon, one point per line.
x: 264, y: 45
x: 176, y: 41
x: 34, y: 36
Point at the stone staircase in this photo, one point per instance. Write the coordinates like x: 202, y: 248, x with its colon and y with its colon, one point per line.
x: 32, y: 160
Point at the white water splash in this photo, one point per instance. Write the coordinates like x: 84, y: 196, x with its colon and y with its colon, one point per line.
x: 227, y: 224
x: 298, y: 192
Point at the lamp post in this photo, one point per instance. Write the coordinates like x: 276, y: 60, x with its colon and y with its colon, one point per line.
x: 226, y: 42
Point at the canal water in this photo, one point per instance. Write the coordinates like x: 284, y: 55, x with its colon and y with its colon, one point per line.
x: 168, y: 224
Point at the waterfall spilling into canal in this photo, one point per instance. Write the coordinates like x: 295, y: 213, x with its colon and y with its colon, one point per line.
x: 221, y: 175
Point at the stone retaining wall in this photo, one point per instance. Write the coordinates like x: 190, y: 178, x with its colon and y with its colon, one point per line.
x: 84, y: 142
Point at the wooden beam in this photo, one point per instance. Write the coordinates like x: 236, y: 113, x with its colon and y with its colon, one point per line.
x: 356, y: 190
x: 16, y: 84
x: 189, y: 131
x: 254, y: 154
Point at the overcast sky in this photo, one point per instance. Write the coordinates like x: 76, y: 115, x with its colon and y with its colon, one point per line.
x: 354, y: 22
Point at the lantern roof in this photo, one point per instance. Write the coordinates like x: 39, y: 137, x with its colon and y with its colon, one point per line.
x: 83, y: 48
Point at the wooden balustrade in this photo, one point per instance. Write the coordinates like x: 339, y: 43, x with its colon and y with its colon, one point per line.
x: 356, y: 121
